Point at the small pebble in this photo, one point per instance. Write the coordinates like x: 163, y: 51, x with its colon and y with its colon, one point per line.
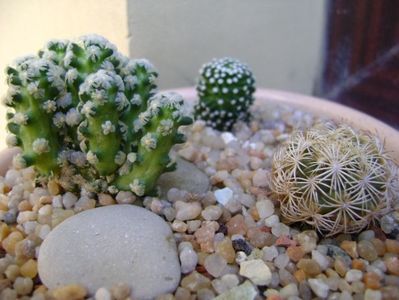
x: 265, y: 208
x: 257, y: 271
x: 187, y: 210
x: 372, y: 295
x: 195, y: 281
x: 318, y: 286
x: 103, y: 294
x: 350, y: 247
x: 69, y: 200
x: 23, y: 285
x: 309, y: 266
x: 272, y: 221
x: 269, y: 253
x: 125, y: 197
x: 225, y: 249
x: 321, y: 259
x: 367, y: 250
x: 236, y: 225
x: 295, y: 253
x: 280, y: 229
x: 290, y: 290
x: 69, y: 292
x: 223, y: 196
x: 353, y: 275
x: 241, y: 245
x: 188, y: 260
x: 120, y: 291
x: 105, y: 199
x: 260, y: 178
x: 307, y: 239
x: 212, y: 213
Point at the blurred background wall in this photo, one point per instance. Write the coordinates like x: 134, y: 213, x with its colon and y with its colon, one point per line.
x: 281, y: 40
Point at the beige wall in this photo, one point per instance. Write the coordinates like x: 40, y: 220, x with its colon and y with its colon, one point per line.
x: 26, y: 25
x: 280, y: 39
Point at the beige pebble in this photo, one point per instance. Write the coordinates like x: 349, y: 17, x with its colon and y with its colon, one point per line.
x: 69, y: 292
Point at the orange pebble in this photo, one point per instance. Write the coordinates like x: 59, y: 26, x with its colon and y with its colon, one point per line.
x: 358, y: 264
x: 372, y: 280
x: 300, y: 275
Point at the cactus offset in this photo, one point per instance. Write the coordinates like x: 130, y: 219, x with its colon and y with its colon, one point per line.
x: 83, y: 112
x: 225, y: 89
x: 334, y: 178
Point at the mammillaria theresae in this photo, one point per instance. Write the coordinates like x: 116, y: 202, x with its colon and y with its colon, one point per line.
x: 334, y: 178
x: 225, y: 89
x: 86, y: 114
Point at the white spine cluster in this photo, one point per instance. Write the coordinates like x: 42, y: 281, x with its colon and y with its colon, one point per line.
x: 40, y: 146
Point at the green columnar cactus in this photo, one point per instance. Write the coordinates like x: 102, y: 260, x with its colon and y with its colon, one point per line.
x: 225, y: 89
x: 83, y: 112
x: 334, y: 178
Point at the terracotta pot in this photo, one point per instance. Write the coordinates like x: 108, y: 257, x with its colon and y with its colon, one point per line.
x: 317, y: 106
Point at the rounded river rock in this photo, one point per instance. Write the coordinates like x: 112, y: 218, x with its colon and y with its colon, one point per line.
x: 108, y: 245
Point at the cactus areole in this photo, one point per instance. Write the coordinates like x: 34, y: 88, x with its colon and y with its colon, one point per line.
x: 225, y: 89
x: 87, y: 115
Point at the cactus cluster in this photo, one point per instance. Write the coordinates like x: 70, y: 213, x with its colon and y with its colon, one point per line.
x: 333, y: 178
x: 85, y: 114
x: 225, y: 89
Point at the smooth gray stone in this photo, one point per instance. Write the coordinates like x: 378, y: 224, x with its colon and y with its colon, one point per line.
x: 112, y: 244
x: 186, y: 177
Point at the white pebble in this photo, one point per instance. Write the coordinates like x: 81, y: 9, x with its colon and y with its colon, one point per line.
x: 372, y: 295
x: 193, y: 225
x: 84, y: 203
x: 353, y: 275
x: 281, y: 261
x: 44, y: 231
x: 225, y: 283
x: 272, y: 221
x: 69, y: 200
x: 215, y: 264
x: 228, y: 137
x: 57, y: 202
x: 280, y: 229
x: 319, y: 287
x: 103, y: 294
x: 187, y: 210
x: 265, y: 208
x: 179, y: 226
x: 25, y: 216
x: 212, y: 213
x: 290, y: 290
x: 321, y: 259
x: 260, y: 178
x: 257, y: 271
x: 188, y: 259
x: 270, y: 253
x: 223, y: 196
x: 125, y: 197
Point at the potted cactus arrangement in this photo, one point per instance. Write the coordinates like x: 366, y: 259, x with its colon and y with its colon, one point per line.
x: 268, y: 199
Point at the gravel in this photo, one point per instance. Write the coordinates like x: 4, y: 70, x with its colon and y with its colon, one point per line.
x: 232, y: 242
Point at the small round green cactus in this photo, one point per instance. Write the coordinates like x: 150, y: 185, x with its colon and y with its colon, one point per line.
x: 225, y: 89
x: 85, y: 113
x: 333, y: 178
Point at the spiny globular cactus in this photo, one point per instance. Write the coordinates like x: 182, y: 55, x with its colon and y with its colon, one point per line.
x: 333, y: 178
x: 225, y: 89
x: 84, y: 113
